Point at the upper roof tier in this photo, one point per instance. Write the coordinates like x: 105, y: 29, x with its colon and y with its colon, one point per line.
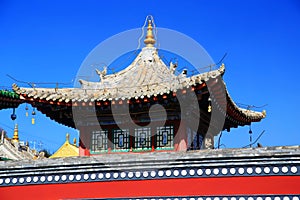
x: 143, y: 78
x: 146, y: 76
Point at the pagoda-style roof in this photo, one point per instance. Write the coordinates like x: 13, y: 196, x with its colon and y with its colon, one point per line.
x: 146, y: 77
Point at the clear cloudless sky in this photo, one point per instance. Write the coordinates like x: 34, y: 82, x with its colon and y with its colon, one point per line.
x: 46, y: 41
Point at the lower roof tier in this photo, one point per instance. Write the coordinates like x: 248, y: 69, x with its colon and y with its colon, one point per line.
x: 211, y: 95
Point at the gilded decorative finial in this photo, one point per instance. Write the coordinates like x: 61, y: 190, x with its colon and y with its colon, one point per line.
x: 74, y: 141
x: 149, y: 40
x: 16, y: 134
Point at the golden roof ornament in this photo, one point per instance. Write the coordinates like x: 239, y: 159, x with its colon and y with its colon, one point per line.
x: 149, y: 40
x: 16, y: 134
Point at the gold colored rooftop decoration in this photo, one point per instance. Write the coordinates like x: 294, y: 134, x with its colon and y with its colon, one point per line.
x: 16, y: 134
x: 149, y: 40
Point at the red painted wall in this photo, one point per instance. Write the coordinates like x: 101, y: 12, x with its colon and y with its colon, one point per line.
x: 262, y: 185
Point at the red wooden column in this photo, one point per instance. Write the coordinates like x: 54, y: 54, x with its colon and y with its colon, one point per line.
x: 153, y: 135
x: 131, y: 138
x: 84, y: 138
x: 110, y: 138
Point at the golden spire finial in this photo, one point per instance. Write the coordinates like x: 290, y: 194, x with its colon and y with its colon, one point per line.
x: 149, y: 40
x: 16, y: 134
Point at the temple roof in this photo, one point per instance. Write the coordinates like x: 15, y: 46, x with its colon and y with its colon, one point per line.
x: 66, y: 150
x: 145, y: 77
x: 141, y: 79
x: 13, y: 148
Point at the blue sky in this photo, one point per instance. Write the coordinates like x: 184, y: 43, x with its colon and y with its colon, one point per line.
x: 46, y: 41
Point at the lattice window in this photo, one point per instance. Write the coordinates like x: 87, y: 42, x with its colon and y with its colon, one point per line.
x: 99, y: 141
x: 165, y: 137
x: 121, y: 140
x: 142, y: 138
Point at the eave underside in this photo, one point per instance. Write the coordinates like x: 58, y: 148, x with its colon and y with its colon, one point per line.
x: 9, y: 99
